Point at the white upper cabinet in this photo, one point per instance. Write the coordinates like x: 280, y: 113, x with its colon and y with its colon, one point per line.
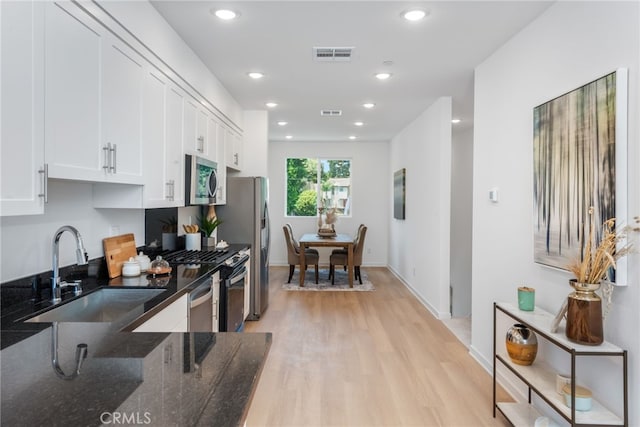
x: 221, y: 196
x: 196, y: 136
x: 174, y: 148
x: 93, y: 95
x: 212, y: 140
x: 72, y: 95
x: 162, y: 142
x: 22, y: 177
x: 122, y: 82
x: 233, y: 143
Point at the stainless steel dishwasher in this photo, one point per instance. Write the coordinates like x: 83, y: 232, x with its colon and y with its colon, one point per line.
x: 203, y: 305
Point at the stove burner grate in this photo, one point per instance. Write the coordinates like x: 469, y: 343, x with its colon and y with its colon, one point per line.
x: 196, y: 257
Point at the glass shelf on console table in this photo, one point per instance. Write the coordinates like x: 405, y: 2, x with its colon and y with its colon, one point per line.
x: 540, y: 378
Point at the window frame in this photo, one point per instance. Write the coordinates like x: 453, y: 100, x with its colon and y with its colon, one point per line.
x: 318, y: 184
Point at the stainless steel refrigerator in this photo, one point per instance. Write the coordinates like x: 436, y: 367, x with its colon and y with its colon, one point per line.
x: 245, y: 219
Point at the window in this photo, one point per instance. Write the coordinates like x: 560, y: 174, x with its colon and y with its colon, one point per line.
x: 318, y: 182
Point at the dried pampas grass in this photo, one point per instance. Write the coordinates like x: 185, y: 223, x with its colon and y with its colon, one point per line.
x: 598, y: 258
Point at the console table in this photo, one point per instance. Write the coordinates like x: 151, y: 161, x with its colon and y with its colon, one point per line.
x: 540, y: 378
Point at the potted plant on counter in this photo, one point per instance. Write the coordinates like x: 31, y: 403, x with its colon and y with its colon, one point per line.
x: 208, y: 227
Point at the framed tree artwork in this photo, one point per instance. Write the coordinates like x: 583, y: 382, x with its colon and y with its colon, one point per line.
x: 579, y: 161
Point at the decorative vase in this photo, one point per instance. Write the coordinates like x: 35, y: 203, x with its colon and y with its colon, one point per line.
x: 584, y: 314
x: 522, y: 344
x: 320, y: 222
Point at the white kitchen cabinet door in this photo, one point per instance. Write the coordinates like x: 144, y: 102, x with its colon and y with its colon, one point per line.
x: 73, y: 64
x: 22, y: 185
x: 233, y: 149
x: 196, y: 137
x: 162, y: 142
x: 93, y: 99
x: 212, y: 140
x: 173, y: 318
x: 156, y: 190
x: 203, y: 140
x: 122, y: 83
x: 221, y: 195
x: 190, y: 129
x: 174, y: 149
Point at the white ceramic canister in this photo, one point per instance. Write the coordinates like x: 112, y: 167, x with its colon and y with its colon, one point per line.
x: 144, y: 261
x: 131, y: 268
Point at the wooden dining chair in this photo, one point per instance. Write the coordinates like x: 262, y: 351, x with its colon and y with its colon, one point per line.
x: 342, y: 258
x: 355, y: 242
x: 293, y: 254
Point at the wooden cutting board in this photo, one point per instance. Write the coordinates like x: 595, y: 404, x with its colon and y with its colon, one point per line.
x: 117, y: 250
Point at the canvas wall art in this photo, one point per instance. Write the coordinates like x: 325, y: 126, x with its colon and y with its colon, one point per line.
x: 576, y: 164
x: 399, y: 178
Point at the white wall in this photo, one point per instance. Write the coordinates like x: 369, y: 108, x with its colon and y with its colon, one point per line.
x: 26, y: 240
x: 571, y: 44
x: 419, y: 244
x: 371, y: 180
x: 461, y: 220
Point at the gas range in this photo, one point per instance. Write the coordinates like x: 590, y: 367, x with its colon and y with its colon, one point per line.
x: 184, y: 256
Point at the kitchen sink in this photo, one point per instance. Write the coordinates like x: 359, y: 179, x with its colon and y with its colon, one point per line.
x: 104, y: 305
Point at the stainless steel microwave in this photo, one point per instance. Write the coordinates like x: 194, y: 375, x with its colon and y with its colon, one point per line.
x: 201, y: 180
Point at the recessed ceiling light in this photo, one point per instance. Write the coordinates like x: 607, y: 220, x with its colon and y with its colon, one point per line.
x: 352, y: 137
x: 383, y: 76
x: 255, y: 75
x: 358, y: 123
x: 271, y: 104
x: 226, y: 14
x: 368, y: 105
x: 289, y: 136
x: 455, y: 120
x: 414, y: 14
x: 282, y: 123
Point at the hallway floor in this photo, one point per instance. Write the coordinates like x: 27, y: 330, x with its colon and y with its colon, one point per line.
x: 365, y: 359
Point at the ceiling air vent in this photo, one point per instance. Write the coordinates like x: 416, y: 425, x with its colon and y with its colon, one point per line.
x: 332, y: 54
x: 330, y: 112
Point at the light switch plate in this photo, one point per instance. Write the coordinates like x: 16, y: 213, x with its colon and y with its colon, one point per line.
x: 493, y: 195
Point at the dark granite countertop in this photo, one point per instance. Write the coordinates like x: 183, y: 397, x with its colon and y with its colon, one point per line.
x: 158, y: 379
x: 128, y: 378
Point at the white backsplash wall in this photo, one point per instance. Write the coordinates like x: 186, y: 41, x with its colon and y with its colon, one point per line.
x: 26, y: 240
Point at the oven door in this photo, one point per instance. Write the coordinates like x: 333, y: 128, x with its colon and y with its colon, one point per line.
x: 234, y: 287
x: 202, y: 304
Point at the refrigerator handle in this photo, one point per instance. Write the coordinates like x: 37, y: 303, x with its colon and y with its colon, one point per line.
x: 268, y: 231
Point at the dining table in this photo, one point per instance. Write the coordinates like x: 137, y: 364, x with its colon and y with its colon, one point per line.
x: 315, y: 240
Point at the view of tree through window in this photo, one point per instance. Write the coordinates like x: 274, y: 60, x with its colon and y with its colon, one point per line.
x: 318, y: 182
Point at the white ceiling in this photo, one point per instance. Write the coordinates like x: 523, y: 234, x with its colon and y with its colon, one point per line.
x: 431, y: 58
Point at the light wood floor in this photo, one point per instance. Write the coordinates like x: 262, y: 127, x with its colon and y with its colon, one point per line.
x: 365, y: 359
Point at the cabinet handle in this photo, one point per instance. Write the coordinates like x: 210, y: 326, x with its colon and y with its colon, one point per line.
x: 201, y: 144
x: 170, y: 189
x: 235, y: 159
x: 45, y: 182
x: 114, y: 152
x: 107, y: 157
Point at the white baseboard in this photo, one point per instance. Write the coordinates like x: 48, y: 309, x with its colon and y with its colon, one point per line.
x: 437, y: 314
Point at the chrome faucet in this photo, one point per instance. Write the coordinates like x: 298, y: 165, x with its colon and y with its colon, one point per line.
x: 81, y: 253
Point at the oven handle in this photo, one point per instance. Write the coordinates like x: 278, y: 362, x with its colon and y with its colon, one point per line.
x: 238, y: 277
x: 201, y: 300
